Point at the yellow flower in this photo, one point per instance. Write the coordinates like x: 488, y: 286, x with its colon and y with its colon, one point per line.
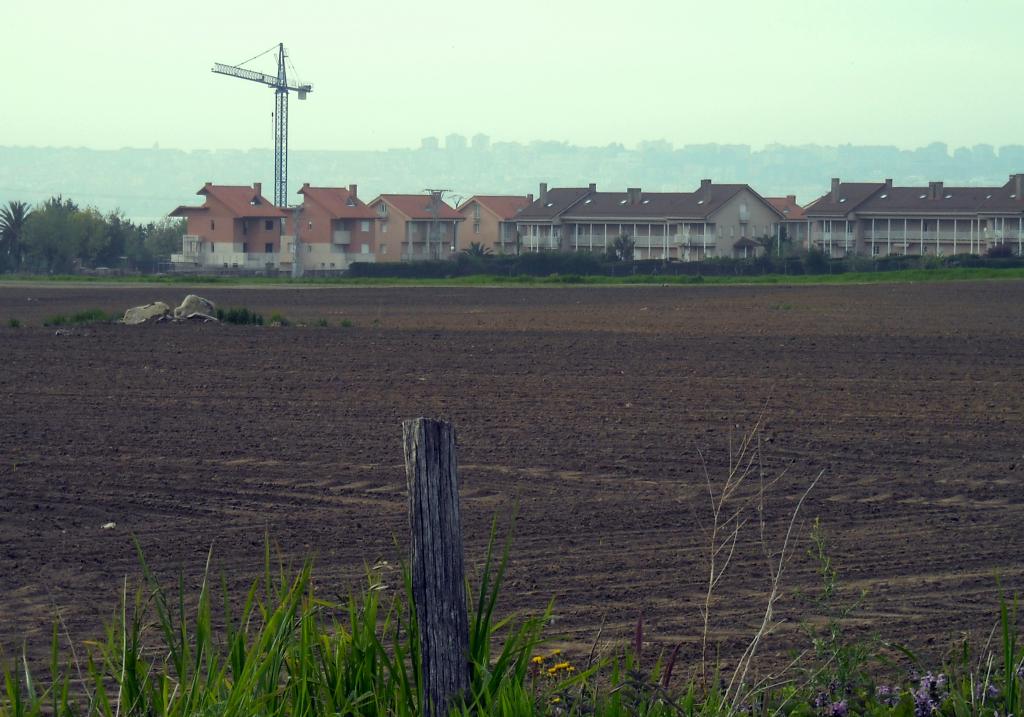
x: 538, y: 660
x: 556, y: 653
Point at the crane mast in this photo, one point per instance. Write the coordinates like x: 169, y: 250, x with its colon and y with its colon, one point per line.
x: 281, y: 90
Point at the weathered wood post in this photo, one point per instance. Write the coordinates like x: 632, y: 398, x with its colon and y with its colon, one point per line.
x: 438, y: 574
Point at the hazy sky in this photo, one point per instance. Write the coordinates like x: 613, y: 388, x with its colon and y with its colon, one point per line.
x: 116, y: 73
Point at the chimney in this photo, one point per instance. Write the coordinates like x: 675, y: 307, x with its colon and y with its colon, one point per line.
x: 634, y: 195
x: 592, y: 187
x: 1018, y: 186
x: 935, y: 190
x: 352, y: 189
x: 834, y: 197
x: 305, y: 186
x: 888, y: 183
x: 791, y: 198
x: 543, y: 194
x: 705, y: 189
x: 529, y: 198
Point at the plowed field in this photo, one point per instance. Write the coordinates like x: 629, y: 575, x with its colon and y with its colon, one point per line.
x: 589, y: 408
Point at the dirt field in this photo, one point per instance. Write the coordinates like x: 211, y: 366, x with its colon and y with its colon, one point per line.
x: 586, y: 406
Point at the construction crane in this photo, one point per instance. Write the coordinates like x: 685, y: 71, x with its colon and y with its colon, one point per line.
x: 281, y: 90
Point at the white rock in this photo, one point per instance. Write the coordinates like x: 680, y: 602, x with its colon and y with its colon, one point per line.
x: 147, y: 312
x: 108, y: 526
x: 194, y: 305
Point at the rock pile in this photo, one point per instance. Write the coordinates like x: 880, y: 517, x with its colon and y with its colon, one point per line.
x: 193, y: 308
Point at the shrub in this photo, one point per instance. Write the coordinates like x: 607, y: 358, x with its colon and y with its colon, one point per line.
x: 14, y: 323
x: 321, y: 322
x: 346, y: 324
x: 239, y: 316
x: 277, y: 319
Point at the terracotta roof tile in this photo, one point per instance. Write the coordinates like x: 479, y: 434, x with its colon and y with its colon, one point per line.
x: 339, y: 202
x: 417, y: 206
x: 242, y: 201
x: 788, y: 206
x: 504, y: 206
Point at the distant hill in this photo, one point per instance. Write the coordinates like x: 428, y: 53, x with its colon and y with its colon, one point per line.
x: 148, y: 183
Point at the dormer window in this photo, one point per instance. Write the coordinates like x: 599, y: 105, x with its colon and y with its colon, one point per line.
x: 884, y: 196
x: 588, y: 201
x: 923, y: 196
x: 549, y: 205
x: 382, y: 209
x: 948, y: 196
x: 843, y: 200
x: 623, y: 201
x: 646, y: 201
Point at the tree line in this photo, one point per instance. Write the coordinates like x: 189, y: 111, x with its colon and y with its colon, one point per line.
x: 60, y: 237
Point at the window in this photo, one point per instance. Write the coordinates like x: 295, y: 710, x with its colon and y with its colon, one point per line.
x: 364, y: 226
x: 245, y: 247
x: 309, y: 224
x: 383, y: 248
x: 875, y: 249
x: 268, y: 224
x: 211, y: 247
x: 245, y: 227
x: 212, y: 225
x: 476, y: 212
x: 309, y: 249
x: 476, y: 227
x: 268, y: 248
x: 384, y: 228
x: 382, y: 209
x: 364, y: 249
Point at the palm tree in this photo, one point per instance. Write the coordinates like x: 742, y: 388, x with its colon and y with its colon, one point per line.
x: 477, y: 249
x: 12, y: 226
x: 622, y: 248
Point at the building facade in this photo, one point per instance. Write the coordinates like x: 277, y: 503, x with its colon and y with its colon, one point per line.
x: 415, y: 227
x: 717, y: 220
x: 235, y: 228
x: 335, y: 230
x: 880, y: 219
x: 491, y: 221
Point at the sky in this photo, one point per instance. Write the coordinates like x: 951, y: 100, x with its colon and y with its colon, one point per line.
x: 131, y: 73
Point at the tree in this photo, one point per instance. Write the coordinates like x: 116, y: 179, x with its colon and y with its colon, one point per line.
x: 13, y: 218
x: 621, y: 248
x: 477, y: 249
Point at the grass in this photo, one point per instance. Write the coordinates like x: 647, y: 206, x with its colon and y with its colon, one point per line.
x: 867, y: 277
x: 89, y: 316
x: 282, y: 649
x: 241, y: 316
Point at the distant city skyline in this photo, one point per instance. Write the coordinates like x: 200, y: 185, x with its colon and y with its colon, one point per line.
x: 125, y: 74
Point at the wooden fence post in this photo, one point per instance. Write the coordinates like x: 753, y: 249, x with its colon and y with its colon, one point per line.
x: 438, y: 573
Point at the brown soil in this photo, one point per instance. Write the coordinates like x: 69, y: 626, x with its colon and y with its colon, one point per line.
x: 587, y: 407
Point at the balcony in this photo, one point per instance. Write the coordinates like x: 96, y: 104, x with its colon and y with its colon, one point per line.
x: 341, y: 236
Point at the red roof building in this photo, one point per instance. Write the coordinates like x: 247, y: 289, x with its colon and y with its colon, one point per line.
x: 415, y: 227
x: 335, y: 229
x: 236, y: 227
x: 490, y: 221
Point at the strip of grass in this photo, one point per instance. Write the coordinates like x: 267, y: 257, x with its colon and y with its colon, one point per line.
x: 878, y: 277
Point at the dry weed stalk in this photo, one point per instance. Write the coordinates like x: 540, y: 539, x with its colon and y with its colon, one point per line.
x: 731, y: 506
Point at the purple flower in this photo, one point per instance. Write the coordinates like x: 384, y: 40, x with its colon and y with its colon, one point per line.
x: 837, y: 709
x: 887, y: 695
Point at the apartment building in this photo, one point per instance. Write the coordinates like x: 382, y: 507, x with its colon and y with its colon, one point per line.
x: 880, y: 219
x: 236, y: 227
x: 796, y: 225
x: 415, y: 227
x: 717, y: 220
x: 335, y: 229
x: 491, y: 221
